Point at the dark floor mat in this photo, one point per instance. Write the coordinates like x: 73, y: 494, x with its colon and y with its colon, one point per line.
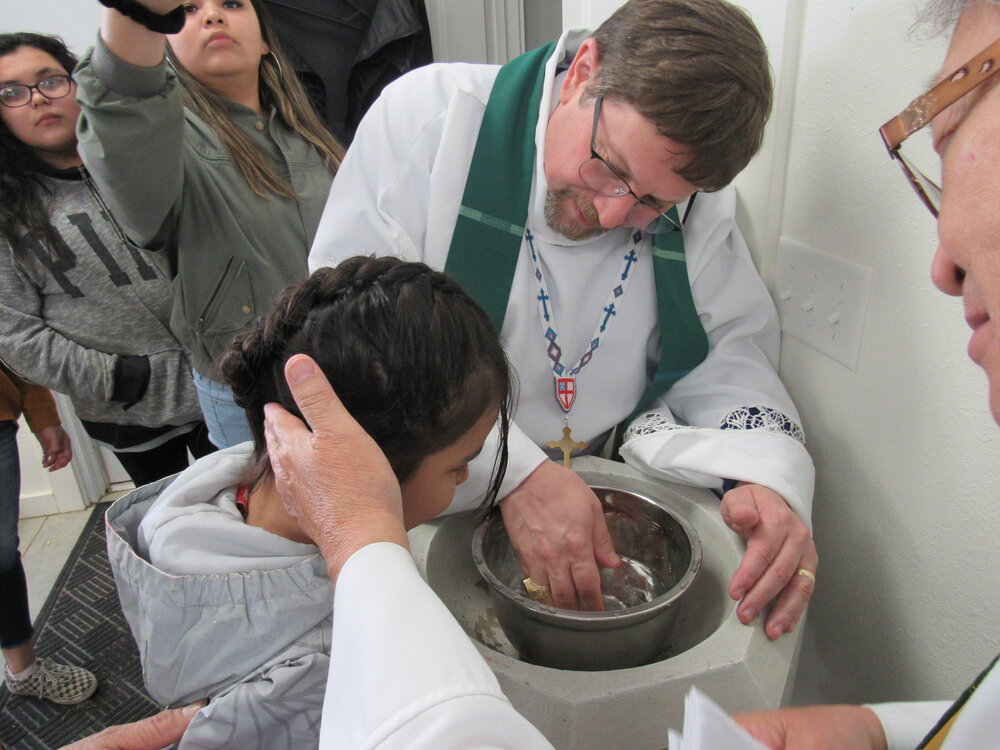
x: 81, y: 624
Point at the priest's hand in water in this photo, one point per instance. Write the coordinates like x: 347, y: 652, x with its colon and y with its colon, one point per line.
x: 333, y: 477
x: 556, y: 525
x: 780, y: 560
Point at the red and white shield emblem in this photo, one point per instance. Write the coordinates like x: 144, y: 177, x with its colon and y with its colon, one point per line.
x: 566, y: 392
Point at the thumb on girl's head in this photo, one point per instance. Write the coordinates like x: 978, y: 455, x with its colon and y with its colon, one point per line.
x: 300, y: 368
x: 312, y: 392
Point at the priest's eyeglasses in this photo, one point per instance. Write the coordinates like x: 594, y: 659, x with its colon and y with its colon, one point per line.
x: 605, y: 179
x: 19, y: 94
x: 925, y: 108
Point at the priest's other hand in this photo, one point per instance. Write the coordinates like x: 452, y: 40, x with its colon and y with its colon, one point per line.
x: 152, y: 733
x: 779, y: 545
x: 333, y: 478
x: 556, y: 525
x: 816, y: 728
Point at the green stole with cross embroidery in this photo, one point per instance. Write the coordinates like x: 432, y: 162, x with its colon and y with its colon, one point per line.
x: 490, y: 226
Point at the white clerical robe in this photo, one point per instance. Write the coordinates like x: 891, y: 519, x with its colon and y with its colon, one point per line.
x: 398, y: 192
x: 405, y: 675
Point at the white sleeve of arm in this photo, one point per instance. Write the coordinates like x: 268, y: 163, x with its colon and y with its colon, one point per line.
x: 906, y: 724
x: 377, y: 203
x: 404, y: 674
x: 731, y: 417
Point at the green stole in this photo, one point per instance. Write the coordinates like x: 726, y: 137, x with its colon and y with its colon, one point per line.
x: 490, y: 226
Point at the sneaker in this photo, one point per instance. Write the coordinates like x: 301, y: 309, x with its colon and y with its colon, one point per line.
x: 58, y: 683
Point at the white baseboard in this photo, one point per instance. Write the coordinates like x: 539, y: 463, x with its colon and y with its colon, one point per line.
x: 42, y: 504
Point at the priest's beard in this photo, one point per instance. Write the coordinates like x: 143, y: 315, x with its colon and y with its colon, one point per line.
x: 559, y: 217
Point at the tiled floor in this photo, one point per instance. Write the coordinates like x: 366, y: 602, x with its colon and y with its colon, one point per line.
x: 46, y: 542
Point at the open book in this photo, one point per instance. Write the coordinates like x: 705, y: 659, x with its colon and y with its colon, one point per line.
x: 708, y: 727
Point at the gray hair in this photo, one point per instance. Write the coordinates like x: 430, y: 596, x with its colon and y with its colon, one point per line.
x: 940, y: 16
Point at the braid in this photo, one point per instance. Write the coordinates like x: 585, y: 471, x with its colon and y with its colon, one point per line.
x: 410, y: 354
x: 249, y: 363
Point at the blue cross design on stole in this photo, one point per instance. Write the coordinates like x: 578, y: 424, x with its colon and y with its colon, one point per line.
x: 630, y: 259
x: 543, y: 298
x: 609, y: 311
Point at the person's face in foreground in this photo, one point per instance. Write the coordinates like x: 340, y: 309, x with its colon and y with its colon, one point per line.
x: 967, y: 138
x: 431, y: 488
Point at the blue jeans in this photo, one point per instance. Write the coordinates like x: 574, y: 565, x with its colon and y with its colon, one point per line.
x: 227, y: 422
x: 15, y: 622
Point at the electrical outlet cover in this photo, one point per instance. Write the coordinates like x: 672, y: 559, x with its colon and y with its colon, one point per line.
x: 822, y: 300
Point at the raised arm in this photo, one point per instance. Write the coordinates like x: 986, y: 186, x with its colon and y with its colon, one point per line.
x: 133, y: 42
x: 132, y: 129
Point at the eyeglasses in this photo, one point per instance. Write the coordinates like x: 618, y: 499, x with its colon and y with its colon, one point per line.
x: 925, y: 108
x: 19, y: 94
x: 604, y: 179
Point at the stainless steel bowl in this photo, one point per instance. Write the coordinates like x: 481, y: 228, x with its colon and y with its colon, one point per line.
x: 662, y: 555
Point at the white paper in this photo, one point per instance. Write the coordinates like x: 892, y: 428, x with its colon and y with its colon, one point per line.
x: 708, y: 727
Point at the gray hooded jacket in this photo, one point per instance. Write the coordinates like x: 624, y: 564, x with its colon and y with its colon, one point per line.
x: 222, y: 609
x: 69, y: 317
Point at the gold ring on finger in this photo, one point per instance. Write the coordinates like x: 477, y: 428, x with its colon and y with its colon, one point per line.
x: 536, y: 591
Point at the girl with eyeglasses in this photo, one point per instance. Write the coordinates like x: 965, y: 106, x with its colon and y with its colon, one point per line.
x: 213, y: 161
x: 81, y: 312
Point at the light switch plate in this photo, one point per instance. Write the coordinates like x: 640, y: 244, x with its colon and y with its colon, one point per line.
x: 822, y: 300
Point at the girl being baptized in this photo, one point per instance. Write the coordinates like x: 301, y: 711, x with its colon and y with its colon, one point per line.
x: 226, y: 596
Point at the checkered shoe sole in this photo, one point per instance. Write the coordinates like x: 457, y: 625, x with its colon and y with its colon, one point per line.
x: 58, y: 683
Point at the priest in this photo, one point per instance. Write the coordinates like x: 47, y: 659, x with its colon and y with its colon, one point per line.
x: 580, y: 194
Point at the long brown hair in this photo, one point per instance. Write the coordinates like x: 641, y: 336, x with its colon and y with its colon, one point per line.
x: 279, y: 88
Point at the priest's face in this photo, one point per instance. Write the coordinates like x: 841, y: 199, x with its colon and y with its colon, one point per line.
x: 967, y: 137
x: 580, y: 208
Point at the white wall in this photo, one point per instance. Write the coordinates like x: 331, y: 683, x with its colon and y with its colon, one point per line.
x: 542, y: 22
x: 76, y: 21
x: 490, y: 31
x: 909, y: 583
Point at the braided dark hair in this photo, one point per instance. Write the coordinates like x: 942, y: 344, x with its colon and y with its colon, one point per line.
x: 24, y: 195
x: 414, y: 359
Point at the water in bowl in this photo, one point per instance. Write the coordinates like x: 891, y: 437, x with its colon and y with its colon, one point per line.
x: 631, y: 585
